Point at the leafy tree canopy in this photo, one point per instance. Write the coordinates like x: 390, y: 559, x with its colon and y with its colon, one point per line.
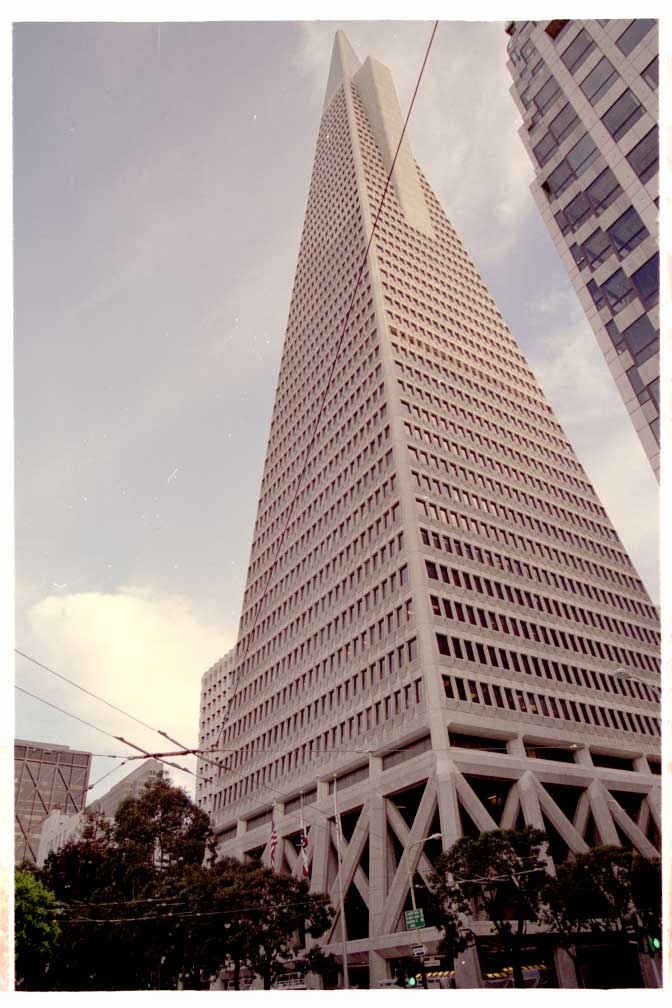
x: 498, y: 875
x: 605, y: 889
x: 36, y: 930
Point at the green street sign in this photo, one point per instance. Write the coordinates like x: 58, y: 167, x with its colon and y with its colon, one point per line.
x: 414, y: 919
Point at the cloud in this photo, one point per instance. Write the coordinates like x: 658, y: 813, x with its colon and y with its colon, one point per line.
x: 140, y: 649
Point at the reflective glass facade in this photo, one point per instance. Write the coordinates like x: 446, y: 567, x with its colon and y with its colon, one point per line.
x: 588, y: 95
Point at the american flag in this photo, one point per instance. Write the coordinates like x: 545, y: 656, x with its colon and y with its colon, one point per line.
x: 304, y: 849
x: 274, y: 841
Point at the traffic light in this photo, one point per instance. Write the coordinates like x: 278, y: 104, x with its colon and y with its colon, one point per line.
x: 654, y: 944
x: 411, y: 981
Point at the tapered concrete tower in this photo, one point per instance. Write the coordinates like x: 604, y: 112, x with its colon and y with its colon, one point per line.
x: 439, y: 619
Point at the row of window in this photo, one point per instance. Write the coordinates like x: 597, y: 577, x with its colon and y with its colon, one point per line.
x: 619, y: 289
x: 641, y: 339
x: 365, y: 539
x: 545, y: 705
x: 325, y: 574
x: 554, y: 637
x: 450, y: 393
x: 279, y: 471
x: 624, y: 235
x: 497, y: 465
x: 513, y: 539
x: 520, y: 520
x: 522, y: 568
x: 381, y: 712
x: 540, y: 603
x: 498, y: 451
x: 328, y: 703
x: 510, y: 491
x: 332, y: 514
x: 301, y: 435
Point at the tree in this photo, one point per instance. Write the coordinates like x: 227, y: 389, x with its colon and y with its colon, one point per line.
x: 36, y: 930
x: 322, y: 964
x: 121, y: 884
x: 255, y: 917
x: 607, y: 889
x: 499, y: 874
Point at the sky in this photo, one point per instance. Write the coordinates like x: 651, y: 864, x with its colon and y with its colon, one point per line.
x: 160, y: 177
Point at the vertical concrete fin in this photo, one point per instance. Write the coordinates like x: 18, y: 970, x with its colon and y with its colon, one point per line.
x: 344, y: 65
x: 376, y: 89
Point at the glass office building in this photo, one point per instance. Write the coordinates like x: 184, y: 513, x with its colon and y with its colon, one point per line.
x: 587, y: 92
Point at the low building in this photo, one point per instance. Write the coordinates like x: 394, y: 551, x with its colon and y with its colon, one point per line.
x: 59, y: 829
x: 46, y: 778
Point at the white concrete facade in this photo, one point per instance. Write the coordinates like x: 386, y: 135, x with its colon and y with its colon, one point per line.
x: 435, y: 610
x: 610, y: 246
x: 215, y: 684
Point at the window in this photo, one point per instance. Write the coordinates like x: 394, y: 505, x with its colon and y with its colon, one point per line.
x: 555, y: 28
x: 634, y: 34
x: 577, y: 161
x: 597, y: 248
x: 582, y: 154
x: 597, y: 295
x: 574, y: 214
x: 545, y: 149
x: 623, y: 114
x: 577, y: 51
x: 650, y: 74
x: 641, y: 339
x: 577, y: 254
x: 647, y: 281
x: 643, y: 158
x: 598, y: 81
x: 603, y: 190
x: 618, y: 290
x: 627, y: 232
x: 546, y: 94
x: 564, y: 123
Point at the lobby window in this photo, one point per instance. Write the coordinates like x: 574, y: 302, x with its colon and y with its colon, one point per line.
x: 634, y: 34
x: 618, y: 290
x: 597, y: 248
x: 650, y: 74
x: 643, y: 158
x: 647, y: 281
x: 627, y: 232
x: 603, y: 190
x: 577, y: 51
x: 598, y: 81
x: 623, y: 114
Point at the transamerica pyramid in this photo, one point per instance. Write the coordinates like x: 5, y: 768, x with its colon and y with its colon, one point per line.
x: 439, y: 619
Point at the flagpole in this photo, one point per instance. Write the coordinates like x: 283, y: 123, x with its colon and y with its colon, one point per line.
x: 346, y: 979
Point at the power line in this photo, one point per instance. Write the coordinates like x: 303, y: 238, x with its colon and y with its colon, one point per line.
x: 78, y: 686
x: 117, y: 738
x: 318, y: 417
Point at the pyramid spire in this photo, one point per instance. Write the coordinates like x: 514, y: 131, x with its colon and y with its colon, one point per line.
x: 344, y: 64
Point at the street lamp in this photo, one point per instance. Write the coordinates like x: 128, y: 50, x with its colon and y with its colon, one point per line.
x: 433, y: 836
